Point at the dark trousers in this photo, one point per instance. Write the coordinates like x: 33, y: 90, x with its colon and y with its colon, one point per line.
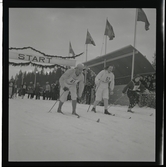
x: 37, y: 95
x: 88, y: 96
x: 133, y: 98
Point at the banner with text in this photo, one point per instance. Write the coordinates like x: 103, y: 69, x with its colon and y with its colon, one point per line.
x: 41, y: 59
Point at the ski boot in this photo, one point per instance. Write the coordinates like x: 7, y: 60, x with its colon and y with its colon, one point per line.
x: 74, y: 113
x: 59, y: 111
x: 106, y: 112
x: 130, y: 111
x: 94, y: 110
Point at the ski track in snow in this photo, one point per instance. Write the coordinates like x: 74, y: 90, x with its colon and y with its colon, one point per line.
x: 36, y: 135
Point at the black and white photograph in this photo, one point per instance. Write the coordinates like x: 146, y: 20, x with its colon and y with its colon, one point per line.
x: 81, y: 83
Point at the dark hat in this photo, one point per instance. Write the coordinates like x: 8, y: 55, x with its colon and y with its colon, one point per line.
x: 136, y: 76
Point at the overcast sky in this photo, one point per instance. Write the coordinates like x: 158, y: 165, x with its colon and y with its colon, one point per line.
x: 50, y: 30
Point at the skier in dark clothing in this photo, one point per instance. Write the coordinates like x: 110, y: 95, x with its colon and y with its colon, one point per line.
x: 88, y: 89
x: 134, y: 88
x: 57, y: 90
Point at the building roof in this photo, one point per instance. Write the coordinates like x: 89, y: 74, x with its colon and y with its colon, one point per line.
x: 122, y: 61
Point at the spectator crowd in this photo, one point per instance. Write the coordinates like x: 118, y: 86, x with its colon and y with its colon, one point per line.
x: 47, y: 91
x: 50, y: 91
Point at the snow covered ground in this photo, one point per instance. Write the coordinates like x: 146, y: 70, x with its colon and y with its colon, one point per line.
x: 36, y: 135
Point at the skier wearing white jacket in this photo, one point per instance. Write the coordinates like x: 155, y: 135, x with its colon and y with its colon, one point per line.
x: 68, y: 83
x: 104, y: 85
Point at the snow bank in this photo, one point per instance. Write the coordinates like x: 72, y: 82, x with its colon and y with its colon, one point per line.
x: 36, y: 135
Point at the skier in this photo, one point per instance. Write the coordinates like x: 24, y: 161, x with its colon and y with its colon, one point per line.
x: 104, y: 85
x: 68, y: 83
x: 134, y: 88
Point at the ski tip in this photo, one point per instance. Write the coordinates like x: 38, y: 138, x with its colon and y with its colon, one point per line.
x: 151, y: 114
x: 98, y: 120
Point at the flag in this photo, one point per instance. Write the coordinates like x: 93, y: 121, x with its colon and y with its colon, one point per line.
x: 71, y: 50
x: 142, y: 17
x: 89, y: 39
x: 109, y: 31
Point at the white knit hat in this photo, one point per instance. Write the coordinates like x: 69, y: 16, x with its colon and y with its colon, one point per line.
x: 80, y: 66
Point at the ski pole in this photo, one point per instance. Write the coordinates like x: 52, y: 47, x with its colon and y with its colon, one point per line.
x: 95, y: 91
x: 89, y: 107
x: 55, y: 102
x: 115, y: 101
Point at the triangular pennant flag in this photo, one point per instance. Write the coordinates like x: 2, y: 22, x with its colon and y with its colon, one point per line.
x: 89, y: 39
x: 71, y: 50
x: 109, y: 31
x: 142, y: 17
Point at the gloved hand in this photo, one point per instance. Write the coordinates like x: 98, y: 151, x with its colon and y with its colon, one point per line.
x: 65, y: 88
x: 111, y: 92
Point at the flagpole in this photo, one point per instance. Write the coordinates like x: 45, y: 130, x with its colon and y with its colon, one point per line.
x: 105, y: 63
x: 86, y: 52
x: 133, y: 58
x: 35, y: 77
x: 106, y: 39
x: 86, y: 61
x: 69, y: 49
x: 102, y: 46
x: 22, y: 78
x: 35, y: 80
x: 105, y: 44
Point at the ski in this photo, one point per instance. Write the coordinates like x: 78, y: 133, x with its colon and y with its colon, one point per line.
x: 60, y: 112
x: 115, y: 115
x: 140, y: 113
x: 78, y: 116
x: 120, y: 116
